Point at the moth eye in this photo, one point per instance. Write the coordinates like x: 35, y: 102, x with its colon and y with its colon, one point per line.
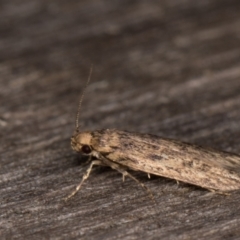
x: 86, y: 149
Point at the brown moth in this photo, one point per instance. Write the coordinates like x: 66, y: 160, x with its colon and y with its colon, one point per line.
x: 121, y: 150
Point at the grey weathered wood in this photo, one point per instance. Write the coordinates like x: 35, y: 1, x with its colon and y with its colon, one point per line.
x: 170, y: 68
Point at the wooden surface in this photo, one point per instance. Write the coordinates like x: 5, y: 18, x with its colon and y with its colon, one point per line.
x: 170, y: 68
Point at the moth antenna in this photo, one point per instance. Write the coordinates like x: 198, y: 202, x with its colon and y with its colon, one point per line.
x: 81, y: 99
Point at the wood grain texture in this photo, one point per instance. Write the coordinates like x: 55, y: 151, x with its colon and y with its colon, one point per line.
x: 170, y: 68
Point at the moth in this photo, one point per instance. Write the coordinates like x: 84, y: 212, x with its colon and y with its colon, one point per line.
x: 122, y: 150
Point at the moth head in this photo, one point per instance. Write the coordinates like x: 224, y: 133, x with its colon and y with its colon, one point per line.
x: 81, y: 142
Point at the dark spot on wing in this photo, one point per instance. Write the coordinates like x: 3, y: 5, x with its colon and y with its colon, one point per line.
x: 155, y: 147
x: 155, y: 157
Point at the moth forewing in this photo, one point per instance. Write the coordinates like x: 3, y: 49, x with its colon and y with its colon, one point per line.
x: 207, y: 168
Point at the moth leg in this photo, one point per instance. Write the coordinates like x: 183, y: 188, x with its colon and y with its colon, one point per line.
x: 88, y: 160
x: 219, y: 192
x: 127, y: 174
x: 85, y: 177
x: 124, y: 173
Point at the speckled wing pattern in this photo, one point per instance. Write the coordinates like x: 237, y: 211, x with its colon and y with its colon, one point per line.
x: 207, y: 168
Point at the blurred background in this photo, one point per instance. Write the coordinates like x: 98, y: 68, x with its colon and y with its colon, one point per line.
x: 171, y: 68
x: 142, y: 51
